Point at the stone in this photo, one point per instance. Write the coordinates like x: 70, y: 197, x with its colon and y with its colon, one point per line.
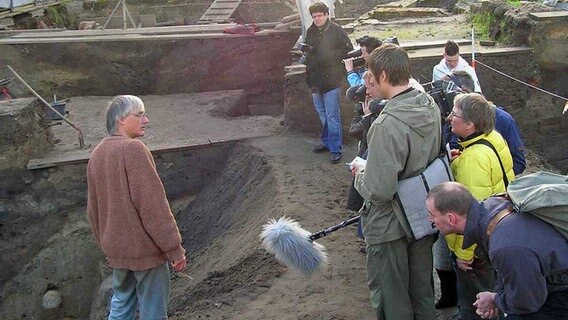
x: 87, y: 25
x: 51, y: 299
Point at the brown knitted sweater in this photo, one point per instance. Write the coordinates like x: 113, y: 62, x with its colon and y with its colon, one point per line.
x: 127, y: 206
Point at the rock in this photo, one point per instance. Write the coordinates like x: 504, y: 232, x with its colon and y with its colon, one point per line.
x: 51, y: 299
x: 87, y: 25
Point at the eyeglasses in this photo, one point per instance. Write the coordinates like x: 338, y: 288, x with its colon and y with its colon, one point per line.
x: 454, y: 114
x: 140, y: 115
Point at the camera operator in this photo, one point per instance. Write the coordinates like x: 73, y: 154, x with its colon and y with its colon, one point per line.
x: 326, y: 45
x: 357, y: 59
x: 365, y: 113
x: 355, y: 67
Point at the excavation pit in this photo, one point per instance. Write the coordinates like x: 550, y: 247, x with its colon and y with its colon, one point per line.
x: 225, y: 176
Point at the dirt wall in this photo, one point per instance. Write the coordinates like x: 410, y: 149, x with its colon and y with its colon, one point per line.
x: 46, y: 239
x: 193, y: 64
x: 22, y: 132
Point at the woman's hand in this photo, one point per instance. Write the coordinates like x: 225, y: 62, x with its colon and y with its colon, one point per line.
x: 454, y: 153
x: 465, y: 265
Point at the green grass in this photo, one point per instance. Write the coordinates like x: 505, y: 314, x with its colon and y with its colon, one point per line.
x: 482, y: 22
x: 514, y: 3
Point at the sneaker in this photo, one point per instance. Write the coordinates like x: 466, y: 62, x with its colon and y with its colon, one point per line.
x: 335, y: 157
x: 319, y: 148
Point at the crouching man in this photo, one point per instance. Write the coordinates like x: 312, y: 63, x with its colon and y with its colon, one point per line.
x: 529, y: 255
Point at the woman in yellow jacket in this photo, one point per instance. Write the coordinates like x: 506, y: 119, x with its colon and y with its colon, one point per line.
x: 484, y: 166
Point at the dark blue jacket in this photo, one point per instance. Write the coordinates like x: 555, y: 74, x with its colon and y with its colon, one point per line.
x: 529, y: 255
x: 506, y: 125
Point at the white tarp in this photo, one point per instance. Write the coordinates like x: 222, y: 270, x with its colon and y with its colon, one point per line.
x: 306, y: 18
x: 7, y: 4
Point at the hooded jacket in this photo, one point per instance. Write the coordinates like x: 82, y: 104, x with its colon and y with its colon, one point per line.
x: 404, y: 139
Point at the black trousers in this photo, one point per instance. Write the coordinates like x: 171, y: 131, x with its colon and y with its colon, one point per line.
x: 555, y: 308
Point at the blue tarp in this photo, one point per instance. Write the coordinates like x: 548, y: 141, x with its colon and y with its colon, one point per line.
x: 7, y: 4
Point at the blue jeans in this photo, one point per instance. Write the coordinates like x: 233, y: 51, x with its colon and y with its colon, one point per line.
x: 327, y: 106
x: 148, y: 289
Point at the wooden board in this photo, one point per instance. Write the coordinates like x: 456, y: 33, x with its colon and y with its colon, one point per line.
x: 550, y: 15
x: 220, y: 11
x: 83, y: 156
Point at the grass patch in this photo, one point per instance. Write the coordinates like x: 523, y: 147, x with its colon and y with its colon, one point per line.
x: 482, y: 23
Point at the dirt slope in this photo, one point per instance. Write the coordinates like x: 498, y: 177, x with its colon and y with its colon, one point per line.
x: 233, y: 277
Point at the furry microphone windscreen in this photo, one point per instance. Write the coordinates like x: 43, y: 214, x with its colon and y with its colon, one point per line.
x: 291, y: 245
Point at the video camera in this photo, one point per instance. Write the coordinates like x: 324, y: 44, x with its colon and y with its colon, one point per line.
x: 444, y: 92
x: 306, y: 48
x: 364, y: 41
x: 357, y: 93
x: 375, y: 106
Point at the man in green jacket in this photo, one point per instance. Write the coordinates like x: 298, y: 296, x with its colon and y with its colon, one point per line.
x: 403, y: 140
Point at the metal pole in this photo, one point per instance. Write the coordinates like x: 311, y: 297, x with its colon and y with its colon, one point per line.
x: 81, y: 140
x: 112, y: 13
x: 130, y: 17
x: 473, y: 47
x: 123, y: 16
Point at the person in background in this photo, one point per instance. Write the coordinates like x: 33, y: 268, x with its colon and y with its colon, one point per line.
x: 453, y: 61
x: 326, y: 46
x: 505, y: 124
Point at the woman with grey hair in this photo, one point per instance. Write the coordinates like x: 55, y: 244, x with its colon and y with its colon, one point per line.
x: 485, y: 166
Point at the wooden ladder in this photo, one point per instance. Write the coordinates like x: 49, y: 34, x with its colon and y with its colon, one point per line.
x: 220, y: 11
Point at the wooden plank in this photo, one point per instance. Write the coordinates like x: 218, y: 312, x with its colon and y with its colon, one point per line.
x: 549, y: 15
x: 223, y: 5
x: 217, y: 16
x: 83, y: 156
x: 137, y: 37
x: 220, y: 11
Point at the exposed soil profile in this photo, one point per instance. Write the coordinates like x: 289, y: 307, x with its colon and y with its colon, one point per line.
x: 234, y: 278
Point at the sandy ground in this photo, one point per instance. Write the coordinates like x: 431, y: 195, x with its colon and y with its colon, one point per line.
x: 177, y: 119
x: 265, y: 177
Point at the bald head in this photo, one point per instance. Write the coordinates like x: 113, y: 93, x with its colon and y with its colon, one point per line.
x: 451, y: 197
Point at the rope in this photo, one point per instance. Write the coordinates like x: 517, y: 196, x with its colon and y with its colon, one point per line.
x: 522, y: 82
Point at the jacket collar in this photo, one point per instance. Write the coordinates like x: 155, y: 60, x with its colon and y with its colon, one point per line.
x: 478, y: 217
x: 467, y: 141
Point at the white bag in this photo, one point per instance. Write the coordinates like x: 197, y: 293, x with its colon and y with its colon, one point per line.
x: 412, y: 192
